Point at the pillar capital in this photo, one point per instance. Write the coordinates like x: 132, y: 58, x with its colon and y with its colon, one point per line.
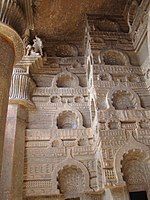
x: 21, y: 88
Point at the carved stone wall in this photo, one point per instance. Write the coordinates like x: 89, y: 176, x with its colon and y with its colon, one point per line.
x: 117, y: 82
x: 87, y: 131
x: 61, y: 96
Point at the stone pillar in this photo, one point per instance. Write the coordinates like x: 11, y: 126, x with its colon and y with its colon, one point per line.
x: 14, y: 141
x: 11, y: 51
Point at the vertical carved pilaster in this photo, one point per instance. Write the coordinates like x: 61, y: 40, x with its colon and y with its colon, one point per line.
x: 11, y: 51
x: 20, y: 96
x: 21, y: 88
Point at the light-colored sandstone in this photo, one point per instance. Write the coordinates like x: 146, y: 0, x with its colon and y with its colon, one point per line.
x: 78, y: 121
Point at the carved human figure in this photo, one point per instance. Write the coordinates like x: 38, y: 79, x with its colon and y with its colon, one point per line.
x: 38, y: 45
x: 28, y: 49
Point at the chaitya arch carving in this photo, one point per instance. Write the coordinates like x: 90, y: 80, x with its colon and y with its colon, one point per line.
x: 114, y: 57
x: 131, y: 145
x: 65, y: 80
x: 133, y: 170
x: 67, y: 164
x: 69, y: 119
x: 122, y: 98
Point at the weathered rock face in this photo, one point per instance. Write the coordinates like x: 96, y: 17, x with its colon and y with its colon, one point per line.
x: 81, y: 112
x: 65, y: 19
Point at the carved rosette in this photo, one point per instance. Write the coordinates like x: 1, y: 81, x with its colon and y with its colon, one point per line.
x: 22, y: 87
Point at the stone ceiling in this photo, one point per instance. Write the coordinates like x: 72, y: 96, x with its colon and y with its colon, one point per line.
x: 61, y: 19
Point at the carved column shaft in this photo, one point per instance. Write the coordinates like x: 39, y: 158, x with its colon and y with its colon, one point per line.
x: 14, y: 141
x: 5, y: 77
x: 11, y: 51
x: 13, y: 154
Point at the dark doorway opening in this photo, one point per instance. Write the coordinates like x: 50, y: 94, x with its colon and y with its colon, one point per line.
x: 138, y: 195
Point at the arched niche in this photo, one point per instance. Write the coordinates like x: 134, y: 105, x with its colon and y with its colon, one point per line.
x: 130, y: 146
x: 122, y: 98
x: 66, y: 80
x: 77, y: 172
x: 71, y: 181
x: 114, y: 57
x: 133, y: 170
x: 69, y: 119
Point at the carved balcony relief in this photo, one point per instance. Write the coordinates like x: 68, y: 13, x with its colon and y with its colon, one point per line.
x: 22, y: 87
